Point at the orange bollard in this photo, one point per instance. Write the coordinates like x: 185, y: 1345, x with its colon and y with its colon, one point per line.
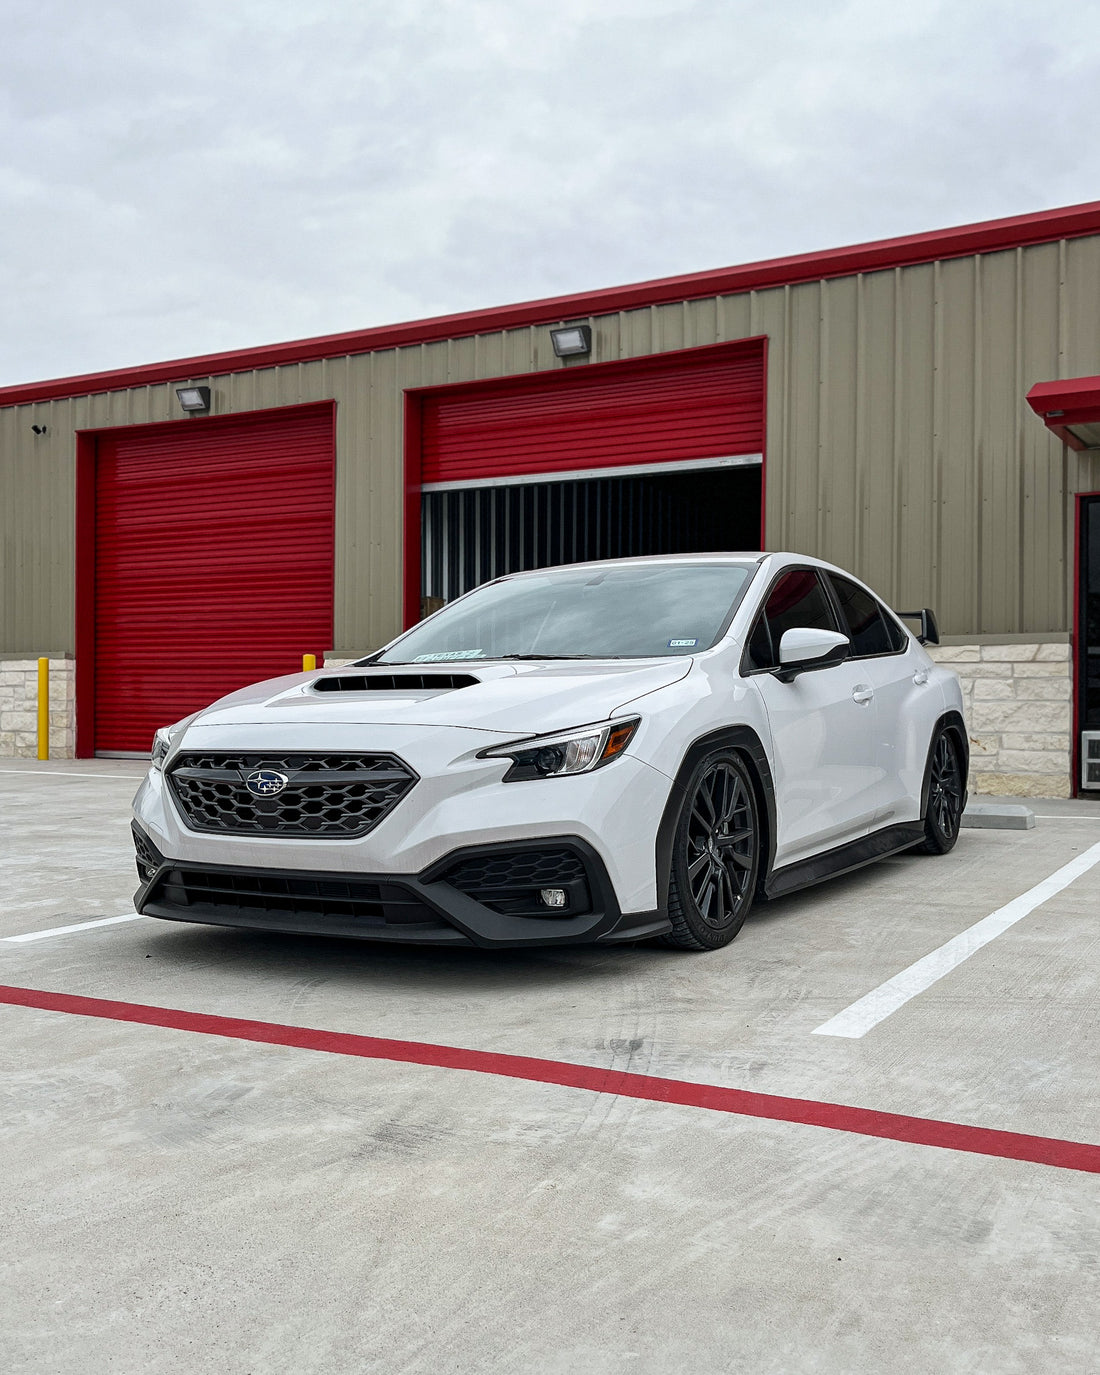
x: 43, y: 708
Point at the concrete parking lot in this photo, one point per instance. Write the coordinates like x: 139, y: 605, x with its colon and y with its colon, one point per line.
x: 187, y: 1196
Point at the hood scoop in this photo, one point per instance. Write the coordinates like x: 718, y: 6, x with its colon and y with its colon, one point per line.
x: 395, y: 682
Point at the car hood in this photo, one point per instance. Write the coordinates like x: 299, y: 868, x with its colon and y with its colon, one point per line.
x: 510, y: 699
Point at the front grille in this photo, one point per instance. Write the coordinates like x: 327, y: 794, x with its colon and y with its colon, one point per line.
x: 332, y: 795
x: 510, y: 881
x: 227, y: 892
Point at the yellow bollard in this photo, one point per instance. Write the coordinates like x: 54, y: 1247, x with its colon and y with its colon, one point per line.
x: 43, y: 708
x: 309, y: 662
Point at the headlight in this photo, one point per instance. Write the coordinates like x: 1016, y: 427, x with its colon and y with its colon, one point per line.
x: 566, y: 753
x: 162, y: 743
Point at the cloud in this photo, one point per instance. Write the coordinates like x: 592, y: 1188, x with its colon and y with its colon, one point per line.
x: 186, y: 178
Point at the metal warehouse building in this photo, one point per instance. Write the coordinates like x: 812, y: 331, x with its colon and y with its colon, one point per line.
x: 924, y: 411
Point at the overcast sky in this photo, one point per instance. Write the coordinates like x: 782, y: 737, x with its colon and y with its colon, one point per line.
x: 211, y: 174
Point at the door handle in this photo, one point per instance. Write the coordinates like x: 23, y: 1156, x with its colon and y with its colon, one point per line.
x: 862, y: 694
x: 921, y: 676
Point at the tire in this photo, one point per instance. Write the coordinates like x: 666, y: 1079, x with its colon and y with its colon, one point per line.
x: 715, y: 855
x: 943, y: 812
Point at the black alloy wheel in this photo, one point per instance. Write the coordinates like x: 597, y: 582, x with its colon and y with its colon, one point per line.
x: 715, y: 856
x: 943, y: 814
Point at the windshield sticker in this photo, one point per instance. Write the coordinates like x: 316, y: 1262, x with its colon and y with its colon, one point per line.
x: 450, y: 654
x: 682, y: 644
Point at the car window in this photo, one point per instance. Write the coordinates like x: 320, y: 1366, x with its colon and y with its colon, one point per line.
x: 867, y: 625
x: 583, y: 611
x: 760, y: 645
x: 895, y: 632
x: 796, y: 600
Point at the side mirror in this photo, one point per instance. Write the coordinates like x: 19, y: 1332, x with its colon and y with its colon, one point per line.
x: 802, y: 650
x: 929, y: 633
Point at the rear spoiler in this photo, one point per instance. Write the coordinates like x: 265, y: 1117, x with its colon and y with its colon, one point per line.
x: 929, y: 630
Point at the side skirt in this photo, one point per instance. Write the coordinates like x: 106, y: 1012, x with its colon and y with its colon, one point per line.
x: 845, y: 858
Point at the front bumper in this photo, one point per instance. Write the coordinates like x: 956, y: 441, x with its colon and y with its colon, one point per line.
x: 459, y: 802
x: 478, y: 895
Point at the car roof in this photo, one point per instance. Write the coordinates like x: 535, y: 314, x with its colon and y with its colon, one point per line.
x: 654, y: 560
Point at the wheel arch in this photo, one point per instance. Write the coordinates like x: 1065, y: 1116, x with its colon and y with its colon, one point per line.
x: 744, y: 741
x: 953, y: 723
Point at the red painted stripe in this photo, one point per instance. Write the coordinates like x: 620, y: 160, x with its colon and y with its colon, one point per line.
x: 891, y: 1126
x: 988, y: 236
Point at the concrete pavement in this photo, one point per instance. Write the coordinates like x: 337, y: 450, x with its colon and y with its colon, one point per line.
x: 177, y: 1201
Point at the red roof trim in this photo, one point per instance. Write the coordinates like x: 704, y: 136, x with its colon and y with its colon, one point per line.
x: 990, y: 236
x: 1070, y: 394
x: 1073, y: 400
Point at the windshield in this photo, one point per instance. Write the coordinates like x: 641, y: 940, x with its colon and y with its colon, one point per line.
x: 643, y: 611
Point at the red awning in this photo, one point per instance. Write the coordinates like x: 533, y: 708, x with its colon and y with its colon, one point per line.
x: 1070, y: 409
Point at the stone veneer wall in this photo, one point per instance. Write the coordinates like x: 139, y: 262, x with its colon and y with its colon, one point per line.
x: 19, y: 709
x: 1018, y: 709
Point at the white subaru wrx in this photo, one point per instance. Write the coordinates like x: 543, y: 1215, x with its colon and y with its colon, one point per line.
x: 598, y: 752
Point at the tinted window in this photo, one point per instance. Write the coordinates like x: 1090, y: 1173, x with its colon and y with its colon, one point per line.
x: 797, y: 600
x: 894, y: 632
x: 866, y: 625
x: 636, y: 611
x: 760, y: 653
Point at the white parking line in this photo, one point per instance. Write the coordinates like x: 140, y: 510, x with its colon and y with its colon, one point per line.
x: 77, y: 926
x: 861, y: 1016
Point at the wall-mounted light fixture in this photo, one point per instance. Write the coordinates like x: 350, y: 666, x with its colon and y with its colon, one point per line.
x: 39, y: 429
x: 194, y: 400
x: 572, y: 340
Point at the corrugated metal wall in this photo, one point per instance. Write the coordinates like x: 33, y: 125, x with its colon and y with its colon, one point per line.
x: 899, y: 443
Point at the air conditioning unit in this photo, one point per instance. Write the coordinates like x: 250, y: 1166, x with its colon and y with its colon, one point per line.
x: 1090, y: 759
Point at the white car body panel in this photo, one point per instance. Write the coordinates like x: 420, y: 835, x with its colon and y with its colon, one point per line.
x: 459, y: 801
x: 825, y: 749
x: 512, y: 699
x: 847, y: 747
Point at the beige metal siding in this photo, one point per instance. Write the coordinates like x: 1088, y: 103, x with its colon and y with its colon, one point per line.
x: 899, y: 443
x: 36, y: 523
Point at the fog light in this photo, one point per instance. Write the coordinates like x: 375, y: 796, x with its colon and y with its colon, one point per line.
x: 552, y: 897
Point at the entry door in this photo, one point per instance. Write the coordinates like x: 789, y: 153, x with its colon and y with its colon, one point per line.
x: 1088, y: 647
x: 824, y: 725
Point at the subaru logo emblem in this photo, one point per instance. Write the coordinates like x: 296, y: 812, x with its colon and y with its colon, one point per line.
x: 266, y: 782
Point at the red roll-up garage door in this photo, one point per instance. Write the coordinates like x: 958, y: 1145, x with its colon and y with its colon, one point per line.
x: 694, y: 404
x: 213, y: 563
